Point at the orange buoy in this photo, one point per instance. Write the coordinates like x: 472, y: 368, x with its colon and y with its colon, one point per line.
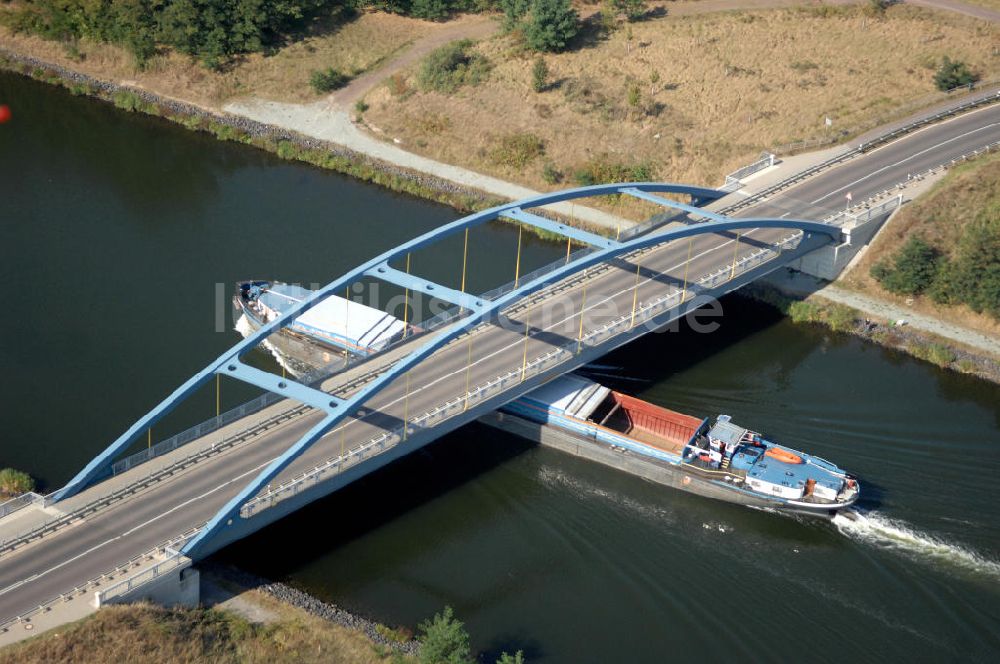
x: 782, y: 455
x: 5, y: 114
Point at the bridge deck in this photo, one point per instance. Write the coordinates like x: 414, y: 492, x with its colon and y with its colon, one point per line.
x: 71, y: 556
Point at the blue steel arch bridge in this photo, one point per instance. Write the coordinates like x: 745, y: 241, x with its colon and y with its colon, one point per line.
x: 485, y: 350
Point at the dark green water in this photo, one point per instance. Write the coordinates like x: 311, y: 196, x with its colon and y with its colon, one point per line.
x: 116, y: 230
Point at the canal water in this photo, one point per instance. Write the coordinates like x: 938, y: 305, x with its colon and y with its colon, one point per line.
x: 120, y: 232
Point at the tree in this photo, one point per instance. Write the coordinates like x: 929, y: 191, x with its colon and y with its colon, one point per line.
x: 913, y: 270
x: 539, y: 75
x: 443, y: 640
x: 513, y: 11
x: 551, y: 25
x: 952, y: 74
x: 432, y: 10
x: 972, y: 277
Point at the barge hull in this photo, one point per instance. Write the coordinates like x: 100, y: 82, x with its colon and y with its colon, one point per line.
x: 633, y: 464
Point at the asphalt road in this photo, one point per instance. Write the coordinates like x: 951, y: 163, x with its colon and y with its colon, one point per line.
x: 36, y: 573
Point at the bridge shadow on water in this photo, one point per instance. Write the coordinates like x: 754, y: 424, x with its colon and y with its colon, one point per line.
x: 301, y: 540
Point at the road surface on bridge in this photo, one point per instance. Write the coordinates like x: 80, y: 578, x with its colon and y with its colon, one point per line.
x: 67, y: 558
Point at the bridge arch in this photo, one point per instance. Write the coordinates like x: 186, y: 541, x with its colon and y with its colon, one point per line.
x: 478, y: 311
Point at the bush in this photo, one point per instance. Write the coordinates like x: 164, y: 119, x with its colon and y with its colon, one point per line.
x: 601, y: 170
x: 972, y: 276
x: 632, y: 10
x: 953, y: 74
x: 552, y: 24
x: 15, y: 482
x: 128, y: 101
x: 327, y: 80
x: 432, y: 10
x: 517, y: 150
x: 551, y: 174
x: 913, y: 270
x: 452, y: 66
x: 539, y: 75
x: 443, y: 640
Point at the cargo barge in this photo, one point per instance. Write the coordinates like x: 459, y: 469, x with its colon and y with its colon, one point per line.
x: 719, y: 459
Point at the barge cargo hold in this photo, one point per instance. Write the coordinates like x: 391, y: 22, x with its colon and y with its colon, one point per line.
x: 717, y: 459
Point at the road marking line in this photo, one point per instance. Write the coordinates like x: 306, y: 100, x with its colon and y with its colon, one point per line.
x: 132, y: 530
x: 904, y: 160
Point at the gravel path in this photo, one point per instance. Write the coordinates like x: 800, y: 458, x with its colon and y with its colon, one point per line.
x: 319, y: 121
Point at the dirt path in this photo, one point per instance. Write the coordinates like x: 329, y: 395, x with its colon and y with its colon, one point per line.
x: 464, y: 27
x: 478, y: 26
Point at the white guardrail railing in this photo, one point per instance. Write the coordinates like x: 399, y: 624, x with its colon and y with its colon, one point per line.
x: 388, y: 439
x: 25, y: 499
x: 172, y: 544
x: 173, y: 560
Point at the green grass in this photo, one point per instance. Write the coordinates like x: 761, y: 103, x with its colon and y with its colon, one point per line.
x: 15, y: 482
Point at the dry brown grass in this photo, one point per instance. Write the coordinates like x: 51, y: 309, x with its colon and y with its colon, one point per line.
x: 352, y: 47
x: 145, y: 633
x: 989, y: 4
x: 730, y: 85
x: 938, y: 216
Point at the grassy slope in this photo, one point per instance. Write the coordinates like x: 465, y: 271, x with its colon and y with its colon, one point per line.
x: 730, y: 84
x: 145, y: 633
x: 939, y: 217
x: 352, y: 46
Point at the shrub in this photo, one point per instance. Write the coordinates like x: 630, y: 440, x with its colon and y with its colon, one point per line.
x: 432, y: 10
x: 452, y: 66
x: 551, y: 25
x: 972, y: 276
x: 507, y: 658
x: 539, y: 75
x: 601, y: 170
x: 517, y: 150
x: 840, y: 318
x: 360, y: 106
x: 804, y: 312
x: 551, y: 174
x: 913, y: 270
x: 632, y: 10
x: 15, y: 482
x: 397, y: 85
x: 934, y: 353
x: 128, y: 101
x: 327, y: 80
x: 953, y: 74
x: 443, y: 640
x: 877, y: 7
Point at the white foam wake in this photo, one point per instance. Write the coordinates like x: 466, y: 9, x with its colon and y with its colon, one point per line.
x: 881, y: 531
x: 244, y: 327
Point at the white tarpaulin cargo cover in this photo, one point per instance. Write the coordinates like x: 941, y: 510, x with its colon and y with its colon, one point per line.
x: 351, y: 324
x: 572, y: 395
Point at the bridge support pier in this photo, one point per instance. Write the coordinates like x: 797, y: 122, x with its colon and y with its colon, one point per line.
x: 178, y: 586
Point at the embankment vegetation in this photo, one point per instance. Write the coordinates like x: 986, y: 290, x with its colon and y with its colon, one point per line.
x: 146, y: 633
x: 941, y: 254
x: 214, y: 32
x: 684, y: 98
x: 149, y: 633
x: 14, y: 483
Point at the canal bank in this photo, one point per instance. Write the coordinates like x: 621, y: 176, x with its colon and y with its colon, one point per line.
x: 947, y: 349
x: 533, y: 548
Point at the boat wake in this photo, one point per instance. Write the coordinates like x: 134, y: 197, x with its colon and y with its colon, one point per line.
x: 885, y: 533
x: 244, y: 328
